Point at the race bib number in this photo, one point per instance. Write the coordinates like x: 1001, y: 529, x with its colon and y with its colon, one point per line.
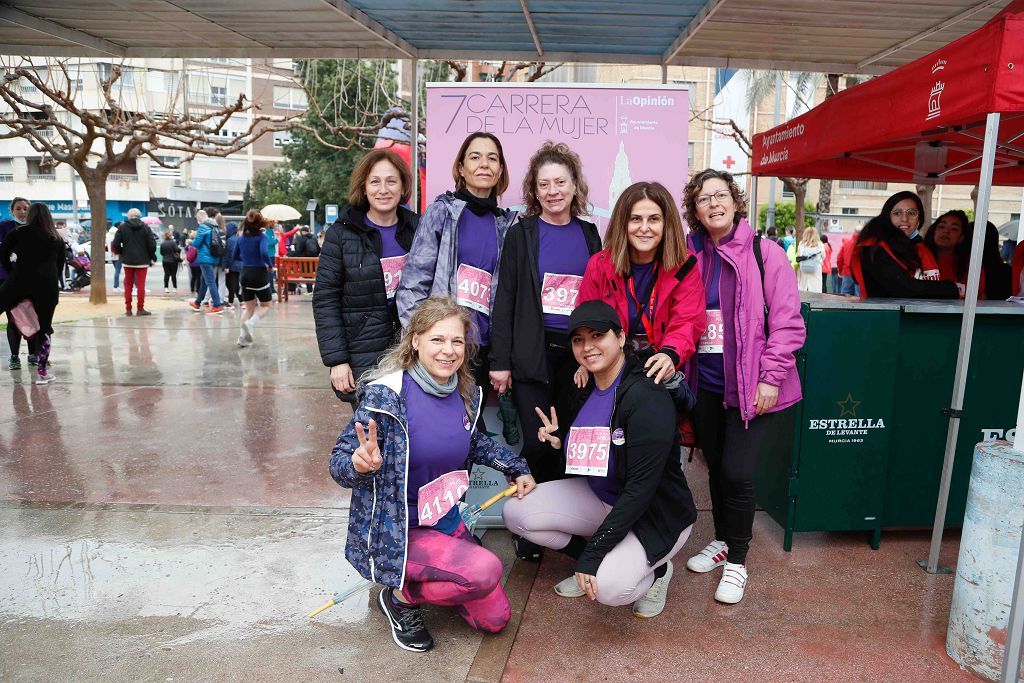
x: 712, y: 339
x: 931, y: 274
x: 437, y: 498
x: 392, y: 266
x: 473, y: 288
x: 558, y: 293
x: 587, y: 451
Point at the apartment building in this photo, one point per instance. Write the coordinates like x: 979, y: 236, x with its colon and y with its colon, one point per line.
x: 156, y: 86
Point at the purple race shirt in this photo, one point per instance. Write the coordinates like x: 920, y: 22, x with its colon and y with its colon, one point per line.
x: 562, y: 251
x: 643, y: 274
x: 478, y: 247
x: 597, y: 412
x: 439, y: 437
x: 389, y: 245
x: 710, y: 366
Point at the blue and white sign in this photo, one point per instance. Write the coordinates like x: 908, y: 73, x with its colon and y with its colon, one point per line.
x: 331, y: 213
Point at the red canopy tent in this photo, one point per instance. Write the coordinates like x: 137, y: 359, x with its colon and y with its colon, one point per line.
x: 954, y: 116
x: 921, y: 123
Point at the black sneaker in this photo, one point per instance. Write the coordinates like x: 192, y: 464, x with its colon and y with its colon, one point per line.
x: 14, y: 363
x: 33, y: 359
x: 407, y: 626
x: 527, y: 550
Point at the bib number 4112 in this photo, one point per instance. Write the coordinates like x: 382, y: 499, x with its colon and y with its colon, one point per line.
x: 438, y: 497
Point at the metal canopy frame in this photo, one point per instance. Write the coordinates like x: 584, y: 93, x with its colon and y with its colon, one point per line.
x: 840, y: 36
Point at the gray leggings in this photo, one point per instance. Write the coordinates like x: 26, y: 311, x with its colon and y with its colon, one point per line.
x: 557, y: 510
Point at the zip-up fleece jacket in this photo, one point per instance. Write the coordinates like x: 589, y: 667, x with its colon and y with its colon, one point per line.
x: 378, y: 534
x: 354, y: 321
x: 679, y: 318
x: 755, y: 357
x: 434, y: 258
x: 880, y: 274
x: 654, y: 500
x: 517, y: 322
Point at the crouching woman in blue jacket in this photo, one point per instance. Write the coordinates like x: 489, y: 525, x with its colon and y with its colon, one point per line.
x: 406, y: 455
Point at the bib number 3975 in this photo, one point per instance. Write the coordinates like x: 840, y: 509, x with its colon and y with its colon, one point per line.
x: 392, y: 266
x: 587, y: 451
x: 473, y: 288
x: 712, y: 339
x: 558, y: 293
x: 439, y: 496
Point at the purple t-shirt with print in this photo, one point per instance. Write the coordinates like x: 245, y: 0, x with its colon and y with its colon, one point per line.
x: 439, y: 438
x: 478, y: 247
x: 563, y: 250
x: 710, y: 366
x: 597, y: 412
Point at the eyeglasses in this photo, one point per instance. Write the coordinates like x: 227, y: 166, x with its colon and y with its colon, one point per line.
x: 909, y: 213
x: 720, y: 197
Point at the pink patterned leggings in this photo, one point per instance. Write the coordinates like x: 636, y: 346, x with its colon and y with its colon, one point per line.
x: 455, y: 571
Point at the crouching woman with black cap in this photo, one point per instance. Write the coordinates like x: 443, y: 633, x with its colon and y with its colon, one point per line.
x: 630, y: 496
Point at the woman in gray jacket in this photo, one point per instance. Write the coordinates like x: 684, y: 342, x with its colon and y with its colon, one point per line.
x: 456, y: 251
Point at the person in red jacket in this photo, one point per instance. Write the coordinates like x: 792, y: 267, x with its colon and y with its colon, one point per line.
x: 847, y: 285
x: 826, y: 264
x: 646, y: 273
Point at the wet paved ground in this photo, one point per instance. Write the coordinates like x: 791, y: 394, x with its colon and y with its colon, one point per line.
x: 166, y: 514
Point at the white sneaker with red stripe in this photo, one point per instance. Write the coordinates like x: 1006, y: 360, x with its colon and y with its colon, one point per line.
x: 734, y: 581
x: 714, y: 555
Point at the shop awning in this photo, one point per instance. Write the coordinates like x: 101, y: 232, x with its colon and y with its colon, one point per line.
x: 842, y: 36
x: 921, y: 123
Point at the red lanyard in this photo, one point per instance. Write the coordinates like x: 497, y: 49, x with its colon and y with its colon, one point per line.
x: 646, y: 312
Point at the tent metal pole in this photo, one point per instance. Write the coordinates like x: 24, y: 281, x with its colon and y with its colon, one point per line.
x: 966, y: 332
x: 414, y: 134
x: 752, y: 219
x: 1015, y: 627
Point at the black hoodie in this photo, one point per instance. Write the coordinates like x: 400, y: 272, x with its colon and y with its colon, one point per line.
x: 654, y: 500
x: 135, y: 243
x: 355, y: 323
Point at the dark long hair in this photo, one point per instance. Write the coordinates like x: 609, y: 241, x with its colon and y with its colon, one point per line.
x: 882, y: 229
x: 962, y: 251
x: 39, y: 217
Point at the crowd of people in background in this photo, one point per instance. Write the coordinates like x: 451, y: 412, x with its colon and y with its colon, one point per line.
x: 615, y: 351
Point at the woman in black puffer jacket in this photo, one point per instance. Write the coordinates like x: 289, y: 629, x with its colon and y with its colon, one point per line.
x: 360, y: 268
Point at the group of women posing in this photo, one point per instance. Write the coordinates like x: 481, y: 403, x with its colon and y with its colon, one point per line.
x: 606, y: 348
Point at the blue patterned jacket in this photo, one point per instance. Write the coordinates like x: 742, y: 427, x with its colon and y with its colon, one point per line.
x: 378, y: 518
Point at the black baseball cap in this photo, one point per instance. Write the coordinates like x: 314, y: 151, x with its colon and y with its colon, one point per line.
x: 596, y: 315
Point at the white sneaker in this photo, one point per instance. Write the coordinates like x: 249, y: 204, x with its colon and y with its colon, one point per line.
x: 653, y: 603
x: 714, y: 555
x: 569, y: 588
x: 247, y: 330
x: 734, y: 580
x: 242, y: 341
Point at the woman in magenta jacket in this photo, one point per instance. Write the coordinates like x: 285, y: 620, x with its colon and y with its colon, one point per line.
x: 744, y: 371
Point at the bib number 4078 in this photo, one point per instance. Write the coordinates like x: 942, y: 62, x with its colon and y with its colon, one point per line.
x: 473, y: 288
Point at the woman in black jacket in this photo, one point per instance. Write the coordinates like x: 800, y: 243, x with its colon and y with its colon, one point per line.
x: 540, y: 273
x: 631, y: 499
x: 360, y: 268
x: 170, y: 257
x: 39, y: 247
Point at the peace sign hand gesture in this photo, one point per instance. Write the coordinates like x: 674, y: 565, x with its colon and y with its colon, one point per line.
x: 367, y: 457
x: 548, y: 428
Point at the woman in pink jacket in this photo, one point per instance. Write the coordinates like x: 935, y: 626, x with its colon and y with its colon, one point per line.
x: 744, y: 371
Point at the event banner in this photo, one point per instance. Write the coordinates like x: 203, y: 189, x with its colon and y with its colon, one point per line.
x: 623, y: 134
